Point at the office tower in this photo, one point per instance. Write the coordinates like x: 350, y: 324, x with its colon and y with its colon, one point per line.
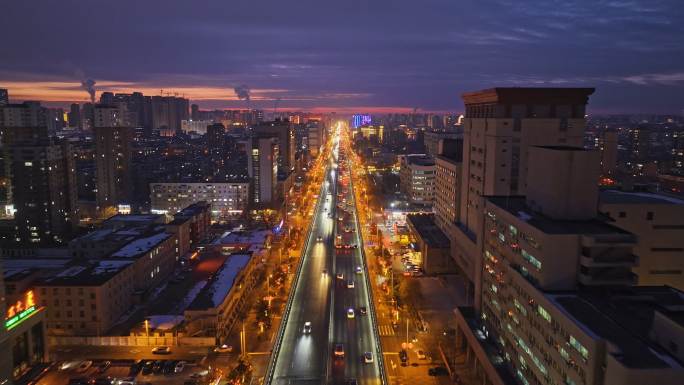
x: 558, y: 305
x: 167, y: 113
x: 75, y: 116
x: 113, y: 152
x: 417, y: 178
x: 284, y: 132
x: 4, y: 97
x: 500, y: 126
x: 609, y: 152
x: 262, y: 166
x: 315, y: 137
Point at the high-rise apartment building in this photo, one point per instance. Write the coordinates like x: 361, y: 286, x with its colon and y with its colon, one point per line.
x: 74, y: 116
x: 167, y: 114
x: 262, y: 167
x: 609, y: 152
x: 417, y: 178
x: 284, y: 132
x: 113, y: 153
x: 139, y: 108
x: 500, y: 126
x: 448, y: 166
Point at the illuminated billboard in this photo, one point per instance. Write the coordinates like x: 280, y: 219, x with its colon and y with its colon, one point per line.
x: 359, y: 120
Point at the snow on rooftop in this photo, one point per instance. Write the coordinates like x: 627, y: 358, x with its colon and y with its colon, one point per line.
x: 221, y: 286
x: 662, y: 197
x: 104, y: 267
x: 141, y: 246
x: 70, y: 272
x: 189, y: 297
x: 252, y: 237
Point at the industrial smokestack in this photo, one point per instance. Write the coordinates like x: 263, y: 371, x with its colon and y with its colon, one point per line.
x: 89, y: 86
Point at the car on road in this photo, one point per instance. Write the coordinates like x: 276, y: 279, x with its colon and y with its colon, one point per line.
x: 84, y: 366
x: 179, y: 367
x: 319, y: 239
x: 161, y: 350
x: 350, y: 313
x: 340, y: 275
x: 368, y: 357
x: 350, y: 284
x: 103, y: 366
x: 362, y: 310
x: 359, y: 270
x: 403, y: 356
x: 307, y: 327
x: 223, y: 349
x: 438, y: 371
x: 339, y: 350
x: 420, y: 354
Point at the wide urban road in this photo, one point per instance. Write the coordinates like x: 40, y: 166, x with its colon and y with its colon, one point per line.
x: 324, y: 300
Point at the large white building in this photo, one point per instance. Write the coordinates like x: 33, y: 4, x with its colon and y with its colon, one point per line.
x: 417, y: 178
x: 226, y: 199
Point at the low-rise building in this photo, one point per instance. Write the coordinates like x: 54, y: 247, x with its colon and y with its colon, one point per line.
x: 227, y: 200
x: 432, y: 244
x: 22, y: 335
x: 222, y: 302
x: 658, y: 222
x: 191, y: 226
x: 417, y: 178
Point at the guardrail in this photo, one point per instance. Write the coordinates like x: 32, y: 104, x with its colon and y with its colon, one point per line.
x: 268, y: 378
x: 374, y: 321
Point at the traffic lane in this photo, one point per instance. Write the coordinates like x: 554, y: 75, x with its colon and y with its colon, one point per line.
x: 302, y: 355
x: 345, y: 329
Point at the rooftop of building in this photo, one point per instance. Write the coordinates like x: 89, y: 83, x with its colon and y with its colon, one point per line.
x: 15, y: 269
x: 450, y: 158
x: 194, y: 209
x: 629, y: 197
x: 216, y: 291
x: 529, y: 95
x: 516, y: 206
x: 141, y: 245
x: 624, y: 317
x: 134, y: 219
x: 243, y: 237
x: 428, y: 231
x: 91, y: 273
x: 420, y: 159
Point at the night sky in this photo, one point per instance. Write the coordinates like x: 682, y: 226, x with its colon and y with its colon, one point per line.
x: 347, y: 55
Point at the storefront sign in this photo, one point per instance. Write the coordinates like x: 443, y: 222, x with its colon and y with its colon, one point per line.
x: 20, y: 311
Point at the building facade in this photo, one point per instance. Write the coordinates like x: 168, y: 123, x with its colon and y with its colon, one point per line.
x: 227, y: 200
x: 262, y: 166
x: 417, y: 178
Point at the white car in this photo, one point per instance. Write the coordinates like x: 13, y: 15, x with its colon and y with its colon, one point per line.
x: 350, y: 313
x: 223, y: 349
x: 161, y: 350
x: 420, y: 354
x: 179, y: 367
x: 368, y: 357
x: 307, y: 327
x: 350, y: 284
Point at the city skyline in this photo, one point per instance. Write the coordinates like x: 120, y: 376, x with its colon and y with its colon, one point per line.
x: 348, y: 57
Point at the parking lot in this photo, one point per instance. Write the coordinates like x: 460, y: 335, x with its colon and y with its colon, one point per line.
x: 129, y: 372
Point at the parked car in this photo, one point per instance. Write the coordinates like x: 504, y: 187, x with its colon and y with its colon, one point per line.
x: 179, y: 367
x: 125, y: 381
x: 403, y: 356
x: 420, y: 354
x: 157, y: 366
x: 84, y: 366
x: 169, y: 367
x: 147, y: 367
x: 103, y: 366
x: 223, y: 349
x: 161, y: 350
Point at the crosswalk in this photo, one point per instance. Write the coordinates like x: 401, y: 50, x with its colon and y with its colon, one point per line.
x: 386, y: 330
